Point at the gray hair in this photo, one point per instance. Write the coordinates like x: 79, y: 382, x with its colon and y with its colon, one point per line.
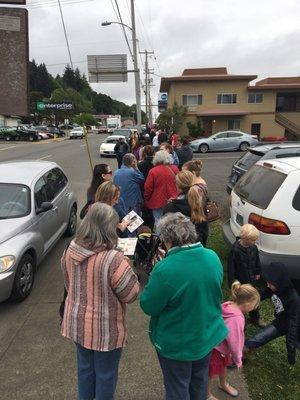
x: 99, y: 227
x: 177, y: 229
x: 162, y: 157
x: 129, y: 159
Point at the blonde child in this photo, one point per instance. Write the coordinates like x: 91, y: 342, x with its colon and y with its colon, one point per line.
x: 245, y: 298
x: 244, y: 264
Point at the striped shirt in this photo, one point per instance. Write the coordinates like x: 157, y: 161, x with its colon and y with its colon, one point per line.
x: 99, y: 283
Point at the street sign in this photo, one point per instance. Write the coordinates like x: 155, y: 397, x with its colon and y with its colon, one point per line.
x: 107, y: 68
x: 45, y: 106
x: 162, y: 101
x: 14, y: 60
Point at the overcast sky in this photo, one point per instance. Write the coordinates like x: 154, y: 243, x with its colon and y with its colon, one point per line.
x: 254, y: 37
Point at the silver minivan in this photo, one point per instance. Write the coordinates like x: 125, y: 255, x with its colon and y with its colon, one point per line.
x: 36, y: 208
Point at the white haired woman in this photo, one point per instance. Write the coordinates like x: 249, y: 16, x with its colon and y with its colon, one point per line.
x: 183, y: 298
x: 99, y: 282
x: 160, y: 185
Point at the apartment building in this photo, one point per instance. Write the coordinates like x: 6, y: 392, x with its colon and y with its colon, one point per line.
x: 270, y: 107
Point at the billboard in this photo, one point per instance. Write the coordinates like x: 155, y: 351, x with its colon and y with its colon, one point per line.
x: 107, y: 68
x: 45, y: 106
x: 14, y: 61
x: 162, y: 101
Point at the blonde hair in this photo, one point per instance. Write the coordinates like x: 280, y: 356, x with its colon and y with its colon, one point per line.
x: 244, y: 294
x: 194, y: 166
x: 185, y: 183
x: 107, y: 192
x: 249, y: 231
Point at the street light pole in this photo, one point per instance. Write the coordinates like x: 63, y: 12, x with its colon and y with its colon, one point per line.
x: 137, y: 71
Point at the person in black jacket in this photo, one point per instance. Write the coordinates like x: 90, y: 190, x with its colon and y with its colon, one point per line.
x: 286, y: 303
x: 244, y: 264
x: 121, y: 148
x: 184, y: 153
x: 189, y: 203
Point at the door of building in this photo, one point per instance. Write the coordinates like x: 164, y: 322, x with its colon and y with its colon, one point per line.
x: 255, y: 130
x: 207, y: 126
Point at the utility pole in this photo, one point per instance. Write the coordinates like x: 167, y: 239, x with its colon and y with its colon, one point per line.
x: 136, y: 69
x: 147, y: 82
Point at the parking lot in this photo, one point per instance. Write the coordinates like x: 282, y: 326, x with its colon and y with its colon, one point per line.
x: 36, y: 362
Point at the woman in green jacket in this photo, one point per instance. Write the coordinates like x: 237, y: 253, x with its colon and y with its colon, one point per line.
x: 183, y: 298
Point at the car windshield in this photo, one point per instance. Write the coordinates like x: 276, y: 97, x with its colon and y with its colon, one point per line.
x: 122, y: 132
x: 259, y: 185
x: 111, y: 140
x: 249, y: 159
x: 14, y: 200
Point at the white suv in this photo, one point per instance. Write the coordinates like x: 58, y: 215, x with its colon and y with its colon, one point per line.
x: 268, y: 196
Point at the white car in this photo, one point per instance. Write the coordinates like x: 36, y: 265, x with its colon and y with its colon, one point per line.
x: 77, y: 132
x: 268, y: 196
x: 107, y: 147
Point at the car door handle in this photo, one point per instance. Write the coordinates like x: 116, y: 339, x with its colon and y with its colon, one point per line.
x: 67, y: 194
x: 54, y: 208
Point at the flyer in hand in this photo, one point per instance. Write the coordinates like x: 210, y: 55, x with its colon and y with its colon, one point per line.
x: 127, y: 245
x: 134, y: 221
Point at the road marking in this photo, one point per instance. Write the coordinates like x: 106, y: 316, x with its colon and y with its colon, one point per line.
x: 43, y: 158
x: 6, y: 148
x: 83, y: 145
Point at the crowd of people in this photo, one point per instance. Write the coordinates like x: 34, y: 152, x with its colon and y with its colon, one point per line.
x: 195, y: 336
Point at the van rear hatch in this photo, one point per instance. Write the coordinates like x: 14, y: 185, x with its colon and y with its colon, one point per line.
x: 253, y: 194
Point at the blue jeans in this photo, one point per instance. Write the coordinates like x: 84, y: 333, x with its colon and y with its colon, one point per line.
x: 262, y: 337
x: 97, y: 373
x: 185, y: 380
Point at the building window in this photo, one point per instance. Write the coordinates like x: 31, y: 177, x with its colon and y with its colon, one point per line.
x: 226, y: 98
x: 255, y: 130
x: 234, y: 124
x: 255, y: 98
x: 192, y: 99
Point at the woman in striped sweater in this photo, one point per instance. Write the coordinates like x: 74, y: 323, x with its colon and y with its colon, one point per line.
x: 99, y: 282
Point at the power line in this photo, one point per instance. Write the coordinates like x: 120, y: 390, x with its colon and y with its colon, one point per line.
x: 65, y: 32
x: 47, y: 4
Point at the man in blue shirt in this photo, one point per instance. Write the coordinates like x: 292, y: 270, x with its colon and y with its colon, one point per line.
x: 130, y: 179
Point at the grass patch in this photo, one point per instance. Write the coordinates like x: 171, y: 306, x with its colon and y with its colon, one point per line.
x: 267, y: 372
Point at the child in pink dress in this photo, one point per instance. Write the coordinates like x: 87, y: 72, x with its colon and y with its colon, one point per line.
x: 245, y: 298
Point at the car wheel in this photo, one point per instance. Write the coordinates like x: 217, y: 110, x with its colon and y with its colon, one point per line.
x: 17, y: 138
x: 244, y: 146
x: 71, y: 138
x: 7, y: 138
x: 24, y: 278
x: 72, y: 224
x: 31, y: 138
x: 203, y: 148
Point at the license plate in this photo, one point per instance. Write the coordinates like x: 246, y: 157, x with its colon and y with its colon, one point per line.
x: 239, y: 219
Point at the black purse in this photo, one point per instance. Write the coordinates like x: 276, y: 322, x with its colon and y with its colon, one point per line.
x: 85, y: 209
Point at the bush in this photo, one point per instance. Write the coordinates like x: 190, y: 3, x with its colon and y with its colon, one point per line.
x: 196, y: 129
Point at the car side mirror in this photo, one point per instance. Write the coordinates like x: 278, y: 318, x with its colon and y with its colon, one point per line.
x: 214, y: 138
x: 45, y: 206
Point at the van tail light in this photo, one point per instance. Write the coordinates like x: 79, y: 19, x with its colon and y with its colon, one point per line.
x: 268, y: 225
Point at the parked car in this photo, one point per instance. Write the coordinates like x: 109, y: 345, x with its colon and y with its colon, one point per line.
x: 107, y: 147
x: 268, y: 196
x: 37, y: 207
x: 56, y: 131
x: 224, y: 141
x: 101, y: 129
x: 27, y: 134
x: 8, y: 134
x: 261, y: 152
x: 66, y: 126
x: 122, y: 132
x: 77, y: 132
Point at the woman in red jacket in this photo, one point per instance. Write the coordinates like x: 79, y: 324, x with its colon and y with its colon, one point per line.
x: 160, y: 185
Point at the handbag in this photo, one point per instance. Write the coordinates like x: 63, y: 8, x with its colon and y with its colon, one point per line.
x: 85, y: 209
x: 212, y: 211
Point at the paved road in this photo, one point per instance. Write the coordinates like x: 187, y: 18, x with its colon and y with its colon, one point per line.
x: 35, y: 362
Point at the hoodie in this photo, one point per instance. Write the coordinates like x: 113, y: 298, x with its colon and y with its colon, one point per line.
x: 98, y: 282
x: 286, y: 303
x: 185, y: 154
x: 235, y: 321
x: 181, y: 205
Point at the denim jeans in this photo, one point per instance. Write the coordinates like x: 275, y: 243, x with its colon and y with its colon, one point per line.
x: 97, y: 373
x: 185, y: 380
x: 265, y: 335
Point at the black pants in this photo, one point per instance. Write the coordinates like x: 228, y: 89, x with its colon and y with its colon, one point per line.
x: 119, y: 160
x: 265, y: 335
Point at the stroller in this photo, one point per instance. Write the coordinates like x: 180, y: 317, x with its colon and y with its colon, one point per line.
x: 147, y: 252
